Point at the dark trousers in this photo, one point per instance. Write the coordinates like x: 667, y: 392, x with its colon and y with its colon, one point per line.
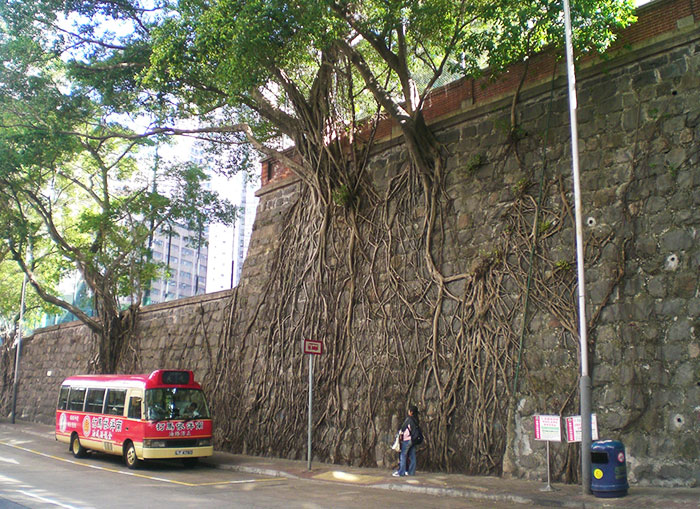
x: 408, y: 451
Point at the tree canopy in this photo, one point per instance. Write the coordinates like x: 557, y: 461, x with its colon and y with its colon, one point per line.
x: 266, y: 71
x: 78, y: 186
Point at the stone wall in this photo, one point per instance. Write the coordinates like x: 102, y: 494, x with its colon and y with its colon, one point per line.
x: 640, y: 134
x: 182, y: 334
x: 639, y: 126
x: 47, y: 358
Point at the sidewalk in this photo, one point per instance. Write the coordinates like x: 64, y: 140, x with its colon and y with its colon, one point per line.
x: 473, y: 488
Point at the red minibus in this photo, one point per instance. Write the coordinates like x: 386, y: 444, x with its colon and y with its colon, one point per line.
x: 158, y: 416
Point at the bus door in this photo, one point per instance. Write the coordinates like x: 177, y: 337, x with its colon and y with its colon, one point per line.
x: 133, y: 424
x: 135, y: 410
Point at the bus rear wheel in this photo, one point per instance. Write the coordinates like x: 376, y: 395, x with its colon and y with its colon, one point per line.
x: 130, y: 458
x: 75, y: 446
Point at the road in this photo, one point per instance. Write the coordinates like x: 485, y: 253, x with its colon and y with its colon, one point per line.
x: 36, y: 472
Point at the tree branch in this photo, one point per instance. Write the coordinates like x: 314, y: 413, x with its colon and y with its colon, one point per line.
x: 93, y: 324
x: 380, y: 94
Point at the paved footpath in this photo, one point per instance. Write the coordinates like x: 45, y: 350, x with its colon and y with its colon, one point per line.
x: 473, y: 488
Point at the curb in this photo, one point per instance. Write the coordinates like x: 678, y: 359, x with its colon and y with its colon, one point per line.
x: 406, y: 488
x: 456, y: 493
x: 251, y: 470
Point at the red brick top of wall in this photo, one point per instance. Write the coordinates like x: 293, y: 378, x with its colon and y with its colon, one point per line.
x: 653, y: 20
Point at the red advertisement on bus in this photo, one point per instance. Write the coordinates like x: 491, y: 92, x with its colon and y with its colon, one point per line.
x: 162, y: 415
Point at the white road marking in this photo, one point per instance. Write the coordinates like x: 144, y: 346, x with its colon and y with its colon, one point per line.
x: 14, y: 441
x: 46, y: 500
x: 134, y: 474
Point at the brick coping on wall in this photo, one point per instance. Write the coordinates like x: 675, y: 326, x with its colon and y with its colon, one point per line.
x: 659, y: 24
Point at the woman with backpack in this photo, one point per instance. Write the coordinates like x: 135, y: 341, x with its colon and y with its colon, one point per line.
x: 408, y: 436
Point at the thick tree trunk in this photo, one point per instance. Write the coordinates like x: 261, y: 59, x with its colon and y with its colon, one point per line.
x: 117, y: 329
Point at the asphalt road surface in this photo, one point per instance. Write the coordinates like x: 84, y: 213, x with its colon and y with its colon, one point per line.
x: 36, y: 472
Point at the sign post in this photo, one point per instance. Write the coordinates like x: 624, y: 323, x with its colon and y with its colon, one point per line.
x: 311, y: 347
x: 548, y: 428
x: 311, y: 405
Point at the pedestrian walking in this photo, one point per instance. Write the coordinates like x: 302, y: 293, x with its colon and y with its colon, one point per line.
x: 407, y: 435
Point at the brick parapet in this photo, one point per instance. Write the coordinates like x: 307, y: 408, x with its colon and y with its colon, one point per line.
x: 657, y: 22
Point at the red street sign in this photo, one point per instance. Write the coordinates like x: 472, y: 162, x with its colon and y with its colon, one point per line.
x: 313, y: 347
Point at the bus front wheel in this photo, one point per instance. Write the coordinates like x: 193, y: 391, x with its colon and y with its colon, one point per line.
x: 76, y: 448
x: 130, y: 457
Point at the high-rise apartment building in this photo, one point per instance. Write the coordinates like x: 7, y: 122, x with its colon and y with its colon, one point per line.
x: 228, y: 245
x: 186, y: 264
x: 218, y: 262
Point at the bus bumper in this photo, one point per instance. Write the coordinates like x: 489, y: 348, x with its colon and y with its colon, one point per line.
x: 152, y: 453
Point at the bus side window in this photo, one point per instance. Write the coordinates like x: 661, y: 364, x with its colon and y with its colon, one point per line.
x: 63, y: 398
x: 134, y: 407
x: 115, y: 401
x: 95, y: 401
x: 76, y: 399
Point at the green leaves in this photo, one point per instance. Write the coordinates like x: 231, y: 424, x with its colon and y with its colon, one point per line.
x: 76, y: 181
x: 192, y: 203
x: 512, y: 30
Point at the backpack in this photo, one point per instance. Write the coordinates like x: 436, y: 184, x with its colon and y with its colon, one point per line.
x: 417, y: 435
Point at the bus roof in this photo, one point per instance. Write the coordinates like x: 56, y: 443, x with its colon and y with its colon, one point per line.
x: 158, y: 378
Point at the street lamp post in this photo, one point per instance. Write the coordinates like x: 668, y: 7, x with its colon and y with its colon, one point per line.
x: 585, y: 381
x: 19, y: 349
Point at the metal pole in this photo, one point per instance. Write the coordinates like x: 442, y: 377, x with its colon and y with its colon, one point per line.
x: 549, y: 470
x: 585, y: 383
x: 19, y: 350
x: 311, y: 399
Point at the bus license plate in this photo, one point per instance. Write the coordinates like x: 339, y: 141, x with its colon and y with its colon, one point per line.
x: 183, y: 453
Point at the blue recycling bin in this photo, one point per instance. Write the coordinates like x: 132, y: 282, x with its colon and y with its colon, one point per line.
x: 608, y: 469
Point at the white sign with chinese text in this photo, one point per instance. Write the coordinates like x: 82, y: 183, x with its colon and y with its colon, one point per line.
x: 573, y: 428
x: 548, y: 427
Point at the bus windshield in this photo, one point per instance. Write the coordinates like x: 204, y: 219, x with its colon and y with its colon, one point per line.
x: 174, y: 403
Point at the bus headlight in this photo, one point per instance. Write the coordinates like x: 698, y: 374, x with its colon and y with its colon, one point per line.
x: 154, y: 443
x: 203, y: 442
